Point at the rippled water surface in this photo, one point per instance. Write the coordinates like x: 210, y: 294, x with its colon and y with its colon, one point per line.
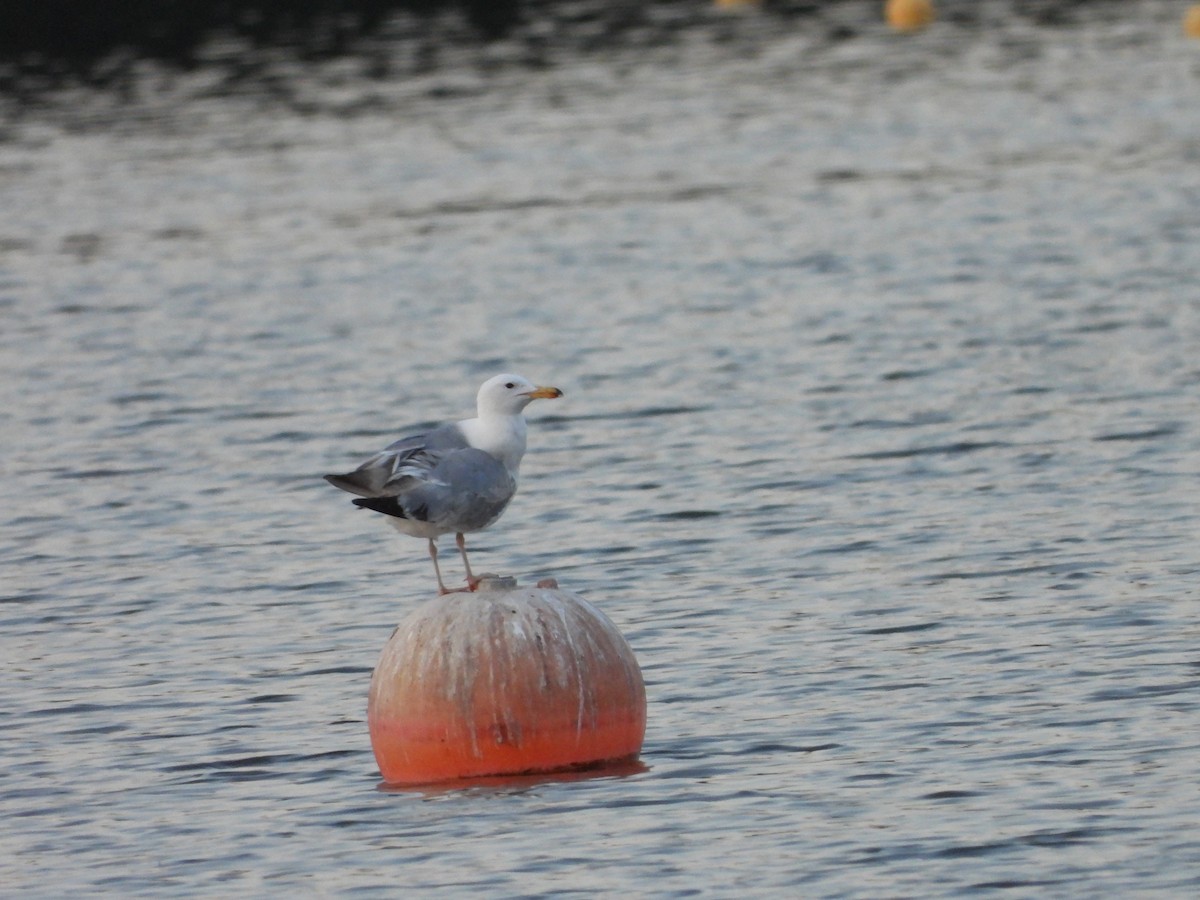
x: 879, y: 444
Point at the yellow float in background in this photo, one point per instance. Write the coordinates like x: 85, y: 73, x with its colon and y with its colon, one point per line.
x: 908, y: 15
x: 1191, y: 21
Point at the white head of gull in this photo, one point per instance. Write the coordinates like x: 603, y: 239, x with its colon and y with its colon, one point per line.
x: 457, y: 478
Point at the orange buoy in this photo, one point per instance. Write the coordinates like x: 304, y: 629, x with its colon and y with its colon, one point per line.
x: 908, y: 15
x: 504, y: 681
x: 1191, y: 21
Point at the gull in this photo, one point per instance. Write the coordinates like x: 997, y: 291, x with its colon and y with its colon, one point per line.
x: 457, y: 478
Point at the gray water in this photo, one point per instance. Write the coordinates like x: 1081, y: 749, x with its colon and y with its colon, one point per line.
x: 879, y: 444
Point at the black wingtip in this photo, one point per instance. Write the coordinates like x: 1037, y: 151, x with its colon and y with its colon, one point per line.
x: 390, y: 506
x: 386, y: 505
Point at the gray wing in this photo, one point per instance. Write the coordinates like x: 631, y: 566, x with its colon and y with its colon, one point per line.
x: 466, y: 490
x: 436, y: 478
x: 403, y: 464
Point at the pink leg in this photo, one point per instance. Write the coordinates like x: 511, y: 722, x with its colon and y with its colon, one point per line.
x: 461, y: 540
x: 433, y: 553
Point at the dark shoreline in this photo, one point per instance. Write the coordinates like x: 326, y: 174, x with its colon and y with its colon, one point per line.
x: 97, y: 43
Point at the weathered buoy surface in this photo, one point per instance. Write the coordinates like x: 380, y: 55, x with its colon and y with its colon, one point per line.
x: 505, y: 680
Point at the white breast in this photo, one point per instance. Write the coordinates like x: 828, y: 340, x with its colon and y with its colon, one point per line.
x: 501, y: 436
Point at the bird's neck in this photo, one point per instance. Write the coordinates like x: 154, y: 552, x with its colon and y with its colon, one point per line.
x: 500, y: 435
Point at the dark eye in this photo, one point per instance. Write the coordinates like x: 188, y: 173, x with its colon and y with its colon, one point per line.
x: 510, y: 385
